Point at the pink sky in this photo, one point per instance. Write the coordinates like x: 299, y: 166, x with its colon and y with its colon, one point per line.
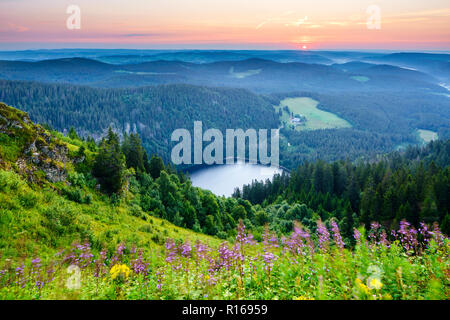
x: 234, y: 24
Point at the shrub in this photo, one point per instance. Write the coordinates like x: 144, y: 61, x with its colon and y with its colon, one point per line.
x: 28, y: 200
x: 73, y: 194
x: 9, y: 181
x: 60, y: 218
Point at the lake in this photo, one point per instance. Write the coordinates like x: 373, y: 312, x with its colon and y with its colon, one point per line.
x: 223, y: 179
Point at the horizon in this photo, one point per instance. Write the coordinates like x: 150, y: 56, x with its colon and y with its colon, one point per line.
x: 236, y: 25
x: 162, y: 49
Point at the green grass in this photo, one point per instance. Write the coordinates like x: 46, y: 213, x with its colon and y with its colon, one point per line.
x: 315, y: 118
x: 426, y: 136
x: 41, y: 220
x: 360, y: 78
x: 9, y: 149
x: 245, y: 74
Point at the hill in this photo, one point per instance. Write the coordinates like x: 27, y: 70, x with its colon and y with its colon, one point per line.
x: 260, y: 74
x: 80, y: 220
x: 46, y: 201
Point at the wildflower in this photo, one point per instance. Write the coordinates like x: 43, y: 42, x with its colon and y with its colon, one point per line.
x: 375, y: 283
x: 438, y: 236
x: 374, y: 226
x: 303, y: 298
x: 138, y: 264
x: 357, y: 236
x: 36, y: 272
x: 225, y: 257
x: 186, y: 249
x: 159, y: 279
x: 323, y: 235
x: 201, y: 250
x: 99, y: 264
x: 85, y: 257
x: 298, y: 240
x: 20, y: 276
x: 50, y: 270
x: 270, y: 239
x: 383, y: 239
x: 337, y: 235
x: 241, y: 237
x: 362, y: 286
x: 171, y: 250
x: 119, y: 270
x: 407, y: 236
x: 268, y: 258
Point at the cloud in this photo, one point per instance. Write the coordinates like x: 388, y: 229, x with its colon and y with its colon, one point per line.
x: 279, y: 19
x: 132, y: 35
x: 297, y: 22
x: 12, y: 27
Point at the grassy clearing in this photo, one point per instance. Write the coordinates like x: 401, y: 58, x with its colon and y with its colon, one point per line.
x: 245, y: 74
x: 360, y: 78
x: 315, y: 118
x: 426, y: 136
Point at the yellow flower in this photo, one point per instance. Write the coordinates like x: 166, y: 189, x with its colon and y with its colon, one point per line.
x: 375, y: 284
x: 119, y: 270
x: 303, y: 298
x: 362, y: 286
x: 387, y: 296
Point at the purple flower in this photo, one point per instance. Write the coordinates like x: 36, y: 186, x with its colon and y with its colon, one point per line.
x: 337, y: 235
x: 186, y: 249
x: 323, y: 235
x: 357, y: 235
x: 268, y: 258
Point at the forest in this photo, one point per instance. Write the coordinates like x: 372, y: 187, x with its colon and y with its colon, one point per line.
x: 381, y: 121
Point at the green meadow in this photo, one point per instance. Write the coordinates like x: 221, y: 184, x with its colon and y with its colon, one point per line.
x: 427, y: 135
x: 315, y: 118
x: 360, y: 78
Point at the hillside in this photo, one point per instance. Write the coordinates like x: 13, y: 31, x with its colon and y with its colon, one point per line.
x: 153, y: 112
x: 80, y: 220
x: 46, y: 205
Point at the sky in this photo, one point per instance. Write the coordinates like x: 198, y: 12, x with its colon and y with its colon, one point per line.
x: 229, y: 24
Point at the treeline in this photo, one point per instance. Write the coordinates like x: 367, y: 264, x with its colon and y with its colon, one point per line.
x: 152, y: 112
x: 335, y: 144
x: 413, y: 185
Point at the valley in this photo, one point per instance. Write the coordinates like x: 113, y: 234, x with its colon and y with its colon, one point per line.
x: 87, y: 179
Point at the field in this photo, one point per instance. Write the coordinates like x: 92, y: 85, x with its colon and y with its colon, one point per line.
x: 244, y: 74
x: 427, y: 135
x: 315, y: 118
x: 360, y: 78
x: 303, y: 266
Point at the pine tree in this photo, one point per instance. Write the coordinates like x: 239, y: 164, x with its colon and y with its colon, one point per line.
x: 109, y: 165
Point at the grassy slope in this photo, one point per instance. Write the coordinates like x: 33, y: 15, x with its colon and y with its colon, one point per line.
x: 36, y: 217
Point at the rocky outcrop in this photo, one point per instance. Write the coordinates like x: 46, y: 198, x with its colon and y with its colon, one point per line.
x: 41, y: 155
